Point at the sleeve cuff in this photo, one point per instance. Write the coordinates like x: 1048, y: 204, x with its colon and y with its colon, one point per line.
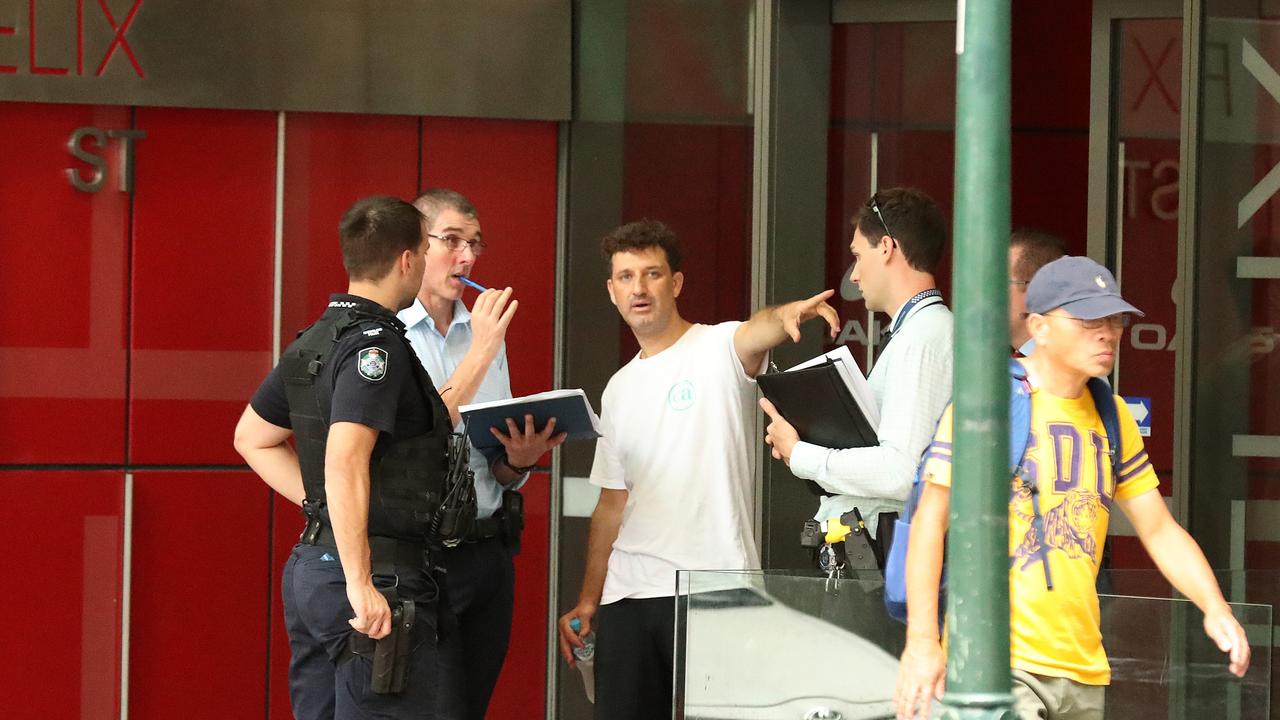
x: 607, y: 483
x: 807, y: 460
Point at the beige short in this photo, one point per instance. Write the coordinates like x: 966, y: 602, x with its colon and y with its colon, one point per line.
x: 1038, y: 697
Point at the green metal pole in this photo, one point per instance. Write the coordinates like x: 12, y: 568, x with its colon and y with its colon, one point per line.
x: 978, y: 677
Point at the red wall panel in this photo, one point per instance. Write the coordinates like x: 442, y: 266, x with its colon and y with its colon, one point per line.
x: 1050, y: 174
x: 203, y: 239
x: 330, y: 162
x: 508, y: 169
x: 63, y: 555
x: 1050, y: 69
x: 62, y: 290
x: 201, y: 557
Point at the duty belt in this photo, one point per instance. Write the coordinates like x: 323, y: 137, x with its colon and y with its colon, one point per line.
x: 484, y: 529
x: 384, y: 552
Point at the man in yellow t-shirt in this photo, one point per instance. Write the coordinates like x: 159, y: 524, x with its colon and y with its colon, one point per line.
x: 1076, y: 317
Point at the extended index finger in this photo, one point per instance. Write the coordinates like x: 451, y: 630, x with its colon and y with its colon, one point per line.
x: 820, y: 297
x: 770, y: 410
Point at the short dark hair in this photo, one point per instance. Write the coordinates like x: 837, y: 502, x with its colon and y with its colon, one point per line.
x: 637, y: 236
x: 374, y: 232
x: 432, y: 201
x: 915, y: 223
x: 1039, y: 248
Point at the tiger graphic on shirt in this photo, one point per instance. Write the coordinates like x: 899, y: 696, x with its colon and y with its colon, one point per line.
x: 1067, y: 527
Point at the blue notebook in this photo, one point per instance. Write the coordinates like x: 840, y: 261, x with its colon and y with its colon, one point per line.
x: 570, y: 408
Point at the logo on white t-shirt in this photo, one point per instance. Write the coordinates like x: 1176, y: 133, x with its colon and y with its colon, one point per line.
x: 680, y: 396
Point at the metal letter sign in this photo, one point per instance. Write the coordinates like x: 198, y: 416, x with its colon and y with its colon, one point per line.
x: 1267, y: 77
x: 78, y: 144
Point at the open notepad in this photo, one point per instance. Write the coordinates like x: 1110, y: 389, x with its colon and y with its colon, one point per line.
x: 570, y: 408
x: 827, y: 400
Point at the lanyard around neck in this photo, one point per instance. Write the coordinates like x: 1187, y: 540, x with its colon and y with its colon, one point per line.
x: 933, y: 294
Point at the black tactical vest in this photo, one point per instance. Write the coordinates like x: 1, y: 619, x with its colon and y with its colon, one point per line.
x: 407, y: 476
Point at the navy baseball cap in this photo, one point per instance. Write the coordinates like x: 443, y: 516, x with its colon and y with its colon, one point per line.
x: 1078, y: 285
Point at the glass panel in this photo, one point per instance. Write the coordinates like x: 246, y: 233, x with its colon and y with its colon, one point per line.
x: 747, y: 635
x: 1236, y: 246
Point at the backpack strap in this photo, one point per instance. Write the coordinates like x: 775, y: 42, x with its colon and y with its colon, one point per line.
x: 1019, y: 416
x: 1019, y: 438
x: 1104, y: 400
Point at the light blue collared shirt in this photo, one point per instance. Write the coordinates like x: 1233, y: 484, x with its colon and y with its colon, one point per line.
x: 440, y: 355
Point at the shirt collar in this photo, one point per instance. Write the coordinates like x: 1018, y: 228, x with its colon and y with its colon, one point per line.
x: 417, y: 313
x: 413, y: 314
x: 920, y: 304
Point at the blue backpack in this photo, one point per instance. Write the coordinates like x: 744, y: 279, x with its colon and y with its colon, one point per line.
x: 895, y: 571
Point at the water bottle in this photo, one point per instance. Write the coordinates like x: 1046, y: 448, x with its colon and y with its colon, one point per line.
x: 585, y: 658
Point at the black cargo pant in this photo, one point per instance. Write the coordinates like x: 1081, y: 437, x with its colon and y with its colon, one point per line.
x: 328, y: 682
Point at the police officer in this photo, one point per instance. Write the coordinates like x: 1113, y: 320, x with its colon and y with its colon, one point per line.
x: 372, y: 472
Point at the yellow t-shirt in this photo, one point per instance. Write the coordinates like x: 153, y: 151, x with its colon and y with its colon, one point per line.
x: 1056, y: 633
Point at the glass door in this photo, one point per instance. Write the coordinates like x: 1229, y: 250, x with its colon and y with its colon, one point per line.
x: 1135, y: 130
x: 1233, y: 246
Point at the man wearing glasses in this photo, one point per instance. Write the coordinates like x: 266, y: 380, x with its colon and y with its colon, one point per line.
x: 898, y: 240
x: 1060, y: 669
x: 1029, y: 250
x: 465, y: 354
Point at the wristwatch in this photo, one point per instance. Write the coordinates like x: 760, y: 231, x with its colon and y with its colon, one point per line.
x: 517, y: 470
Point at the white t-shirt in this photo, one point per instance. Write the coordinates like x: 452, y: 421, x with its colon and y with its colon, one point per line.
x: 675, y: 435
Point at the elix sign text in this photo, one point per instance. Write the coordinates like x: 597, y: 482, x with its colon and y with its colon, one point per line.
x: 55, y: 33
x: 351, y: 56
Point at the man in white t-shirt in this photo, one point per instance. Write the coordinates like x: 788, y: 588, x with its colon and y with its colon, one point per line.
x: 674, y: 467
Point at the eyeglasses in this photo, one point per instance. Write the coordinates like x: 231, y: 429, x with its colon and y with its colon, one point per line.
x: 1117, y: 322
x: 1019, y: 282
x: 875, y: 208
x: 456, y: 243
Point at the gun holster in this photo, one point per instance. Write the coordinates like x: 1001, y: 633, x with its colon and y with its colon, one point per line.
x: 390, y: 655
x: 859, y: 551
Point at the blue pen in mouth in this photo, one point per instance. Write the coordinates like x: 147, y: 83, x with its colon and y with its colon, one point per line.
x: 470, y: 283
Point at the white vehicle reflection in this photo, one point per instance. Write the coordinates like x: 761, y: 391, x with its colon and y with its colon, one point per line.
x: 754, y: 656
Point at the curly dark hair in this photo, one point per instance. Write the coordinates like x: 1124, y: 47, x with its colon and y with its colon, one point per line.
x: 637, y: 236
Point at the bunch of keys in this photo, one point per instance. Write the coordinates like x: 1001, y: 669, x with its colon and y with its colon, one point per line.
x: 831, y: 558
